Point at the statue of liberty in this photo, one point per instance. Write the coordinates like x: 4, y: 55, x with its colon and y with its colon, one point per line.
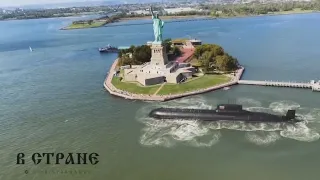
x: 157, y: 26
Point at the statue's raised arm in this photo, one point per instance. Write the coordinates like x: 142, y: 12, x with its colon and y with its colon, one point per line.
x: 152, y: 12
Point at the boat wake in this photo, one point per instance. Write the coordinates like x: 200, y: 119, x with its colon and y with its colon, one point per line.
x: 205, y: 134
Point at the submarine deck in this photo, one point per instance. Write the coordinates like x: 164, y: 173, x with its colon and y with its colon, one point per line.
x: 215, y: 115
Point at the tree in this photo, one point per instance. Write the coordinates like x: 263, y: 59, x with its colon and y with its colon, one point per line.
x: 205, y: 65
x: 210, y: 55
x: 141, y: 54
x: 207, y: 56
x: 90, y: 21
x: 221, y: 62
x: 232, y: 63
x: 167, y: 43
x: 197, y: 52
x: 176, y: 51
x: 120, y: 54
x: 213, y: 13
x: 205, y: 61
x: 226, y: 63
x: 217, y: 50
x: 213, y: 48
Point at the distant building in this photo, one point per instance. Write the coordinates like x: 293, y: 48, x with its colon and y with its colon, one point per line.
x: 178, y: 10
x: 191, y: 42
x: 141, y: 12
x: 196, y: 42
x: 178, y: 43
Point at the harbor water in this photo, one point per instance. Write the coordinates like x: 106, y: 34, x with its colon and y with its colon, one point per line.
x: 52, y: 100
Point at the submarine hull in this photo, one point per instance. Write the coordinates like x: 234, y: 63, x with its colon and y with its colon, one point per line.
x: 212, y: 115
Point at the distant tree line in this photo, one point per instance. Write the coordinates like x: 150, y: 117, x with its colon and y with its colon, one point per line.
x: 106, y: 18
x: 33, y: 15
x: 190, y: 13
x: 184, y: 13
x: 212, y: 56
x: 258, y: 8
x: 254, y: 8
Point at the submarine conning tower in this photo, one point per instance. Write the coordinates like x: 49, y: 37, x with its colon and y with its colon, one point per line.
x: 229, y: 108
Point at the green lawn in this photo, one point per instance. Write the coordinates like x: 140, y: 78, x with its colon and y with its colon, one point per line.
x: 194, y: 84
x: 82, y: 26
x: 134, y: 87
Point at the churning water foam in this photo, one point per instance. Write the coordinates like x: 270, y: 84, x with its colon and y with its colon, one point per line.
x: 199, y: 134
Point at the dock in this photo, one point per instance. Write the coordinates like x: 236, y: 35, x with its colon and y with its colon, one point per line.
x: 315, y: 86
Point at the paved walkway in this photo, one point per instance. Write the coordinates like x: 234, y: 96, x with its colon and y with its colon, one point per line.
x: 117, y: 92
x: 159, y: 89
x: 186, y: 54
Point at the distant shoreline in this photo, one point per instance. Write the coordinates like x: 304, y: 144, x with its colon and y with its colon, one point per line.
x: 85, y: 26
x: 52, y: 17
x: 222, y: 17
x: 164, y: 17
x: 193, y: 16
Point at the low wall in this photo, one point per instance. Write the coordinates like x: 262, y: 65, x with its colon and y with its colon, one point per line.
x: 117, y: 92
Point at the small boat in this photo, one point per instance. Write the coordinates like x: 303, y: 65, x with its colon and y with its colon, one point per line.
x: 226, y: 88
x: 109, y: 49
x: 30, y: 49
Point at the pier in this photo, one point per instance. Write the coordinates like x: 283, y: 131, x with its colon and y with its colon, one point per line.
x: 315, y: 86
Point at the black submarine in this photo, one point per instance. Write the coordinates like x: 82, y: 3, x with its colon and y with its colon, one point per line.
x: 223, y: 112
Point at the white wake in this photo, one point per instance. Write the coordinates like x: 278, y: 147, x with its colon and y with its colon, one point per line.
x: 201, y: 134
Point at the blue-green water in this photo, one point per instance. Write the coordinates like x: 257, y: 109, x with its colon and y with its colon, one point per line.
x: 52, y: 100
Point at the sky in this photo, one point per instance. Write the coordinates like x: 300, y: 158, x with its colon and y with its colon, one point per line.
x: 27, y: 2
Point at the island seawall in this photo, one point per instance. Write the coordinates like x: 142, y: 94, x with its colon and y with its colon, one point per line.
x: 127, y: 95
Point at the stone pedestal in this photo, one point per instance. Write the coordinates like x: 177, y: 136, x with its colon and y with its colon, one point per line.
x: 159, y: 55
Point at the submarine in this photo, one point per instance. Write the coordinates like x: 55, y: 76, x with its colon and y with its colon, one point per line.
x: 223, y: 112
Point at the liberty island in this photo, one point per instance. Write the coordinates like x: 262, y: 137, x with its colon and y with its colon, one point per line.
x: 159, y: 79
x: 161, y: 73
